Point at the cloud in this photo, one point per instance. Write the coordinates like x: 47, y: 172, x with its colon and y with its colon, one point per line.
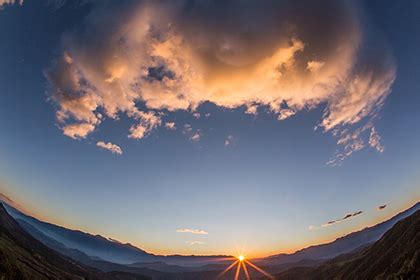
x: 192, y: 243
x: 314, y: 66
x: 251, y: 110
x: 78, y: 130
x: 146, y: 122
x: 230, y: 141
x: 375, y: 140
x: 381, y: 207
x: 350, y: 215
x: 333, y: 222
x: 313, y: 228
x: 167, y: 56
x: 115, y: 149
x: 170, y: 125
x: 352, y: 141
x: 3, y: 3
x: 196, y: 136
x: 193, y: 231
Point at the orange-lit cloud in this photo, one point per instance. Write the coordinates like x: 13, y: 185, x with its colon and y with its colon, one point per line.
x: 3, y: 3
x: 169, y: 57
x: 78, y: 130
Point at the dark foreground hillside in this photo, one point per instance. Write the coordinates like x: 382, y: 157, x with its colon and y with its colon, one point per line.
x: 23, y: 257
x: 395, y: 256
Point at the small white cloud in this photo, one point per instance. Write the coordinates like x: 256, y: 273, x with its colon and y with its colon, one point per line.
x: 313, y: 227
x: 170, y: 125
x: 375, y: 140
x: 192, y: 243
x: 187, y: 128
x: 196, y: 136
x: 230, y: 141
x: 193, y: 231
x: 115, y: 149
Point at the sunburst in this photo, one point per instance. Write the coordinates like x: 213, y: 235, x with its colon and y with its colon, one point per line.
x: 241, y: 263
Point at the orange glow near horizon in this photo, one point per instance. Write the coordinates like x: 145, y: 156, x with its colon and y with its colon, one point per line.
x: 27, y: 206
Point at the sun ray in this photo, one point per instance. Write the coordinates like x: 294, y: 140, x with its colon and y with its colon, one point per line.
x: 245, y: 270
x: 259, y: 269
x: 238, y: 270
x: 228, y: 268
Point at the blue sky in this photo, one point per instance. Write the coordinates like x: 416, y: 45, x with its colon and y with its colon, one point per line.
x: 260, y: 192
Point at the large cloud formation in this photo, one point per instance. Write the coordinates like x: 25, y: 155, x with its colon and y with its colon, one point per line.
x: 165, y: 56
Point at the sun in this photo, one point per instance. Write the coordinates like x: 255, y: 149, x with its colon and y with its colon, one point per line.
x: 242, y: 263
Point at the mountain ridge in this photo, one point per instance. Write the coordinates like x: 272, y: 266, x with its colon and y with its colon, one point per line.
x: 395, y: 256
x: 343, y: 244
x: 128, y: 254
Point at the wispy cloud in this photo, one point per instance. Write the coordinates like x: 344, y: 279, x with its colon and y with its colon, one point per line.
x: 193, y: 231
x: 230, y: 141
x: 337, y: 221
x: 192, y: 243
x: 146, y: 122
x: 375, y: 140
x: 354, y: 141
x: 115, y: 149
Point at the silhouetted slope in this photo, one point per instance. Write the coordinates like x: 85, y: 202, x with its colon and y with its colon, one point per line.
x: 395, y: 256
x: 342, y: 245
x: 53, y: 244
x: 23, y: 257
x: 91, y: 245
x: 85, y: 247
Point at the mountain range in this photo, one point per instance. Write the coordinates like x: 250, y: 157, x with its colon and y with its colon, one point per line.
x: 395, y: 256
x: 108, y: 258
x: 343, y: 244
x: 24, y: 257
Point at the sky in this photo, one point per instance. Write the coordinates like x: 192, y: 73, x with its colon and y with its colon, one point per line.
x: 210, y: 127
